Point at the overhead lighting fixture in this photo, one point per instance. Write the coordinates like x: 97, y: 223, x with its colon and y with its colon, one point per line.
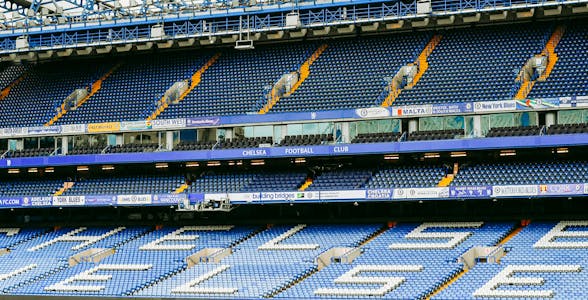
x: 192, y: 164
x: 32, y: 170
x: 432, y: 155
x: 508, y: 152
x: 257, y: 162
x: 458, y: 154
x: 49, y: 170
x: 107, y: 167
x: 391, y: 156
x: 299, y: 160
x: 82, y: 168
x: 213, y: 163
x: 161, y: 165
x: 13, y: 171
x: 561, y: 150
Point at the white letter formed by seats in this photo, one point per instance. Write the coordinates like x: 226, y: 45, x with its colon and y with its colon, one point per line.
x: 73, y: 237
x: 548, y: 241
x: 455, y: 237
x: 10, y: 231
x: 388, y: 283
x: 192, y: 288
x: 89, y: 275
x: 490, y: 289
x: 17, y: 272
x: 273, y: 244
x: 177, y: 236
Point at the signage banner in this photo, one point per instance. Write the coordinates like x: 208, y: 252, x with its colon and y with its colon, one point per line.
x: 288, y: 196
x: 196, y: 198
x: 342, y: 195
x: 585, y: 188
x: 168, y: 198
x: 470, y: 191
x: 10, y: 202
x: 495, y: 106
x: 421, y: 193
x: 242, y: 197
x: 379, y: 194
x: 203, y: 121
x: 514, y: 190
x: 537, y: 103
x: 372, y: 112
x: 15, y: 131
x: 69, y: 201
x: 75, y: 128
x: 261, y: 152
x: 38, y: 130
x: 103, y: 127
x: 413, y: 110
x: 454, y: 108
x: 133, y: 199
x: 135, y: 125
x: 168, y: 123
x: 561, y: 189
x: 37, y: 201
x: 100, y: 200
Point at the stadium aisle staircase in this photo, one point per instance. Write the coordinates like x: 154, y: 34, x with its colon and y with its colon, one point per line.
x: 61, y: 111
x: 549, y: 50
x: 422, y: 64
x: 303, y: 71
x: 447, y: 179
x: 306, y: 184
x: 66, y: 186
x: 181, y: 188
x: 162, y: 104
x: 4, y: 93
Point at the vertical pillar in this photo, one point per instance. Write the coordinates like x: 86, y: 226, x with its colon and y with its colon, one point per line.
x: 64, y: 145
x: 413, y: 125
x: 169, y: 140
x: 549, y: 119
x: 477, y: 126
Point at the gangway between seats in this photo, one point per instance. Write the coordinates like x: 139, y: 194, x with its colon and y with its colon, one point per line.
x: 80, y: 96
x: 408, y: 76
x: 539, y: 67
x: 181, y: 89
x: 303, y: 72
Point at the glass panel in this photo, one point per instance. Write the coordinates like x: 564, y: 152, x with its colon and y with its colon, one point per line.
x: 261, y: 131
x: 47, y: 142
x: 248, y: 131
x: 310, y: 128
x: 484, y: 124
x: 469, y: 125
x: 149, y: 137
x: 431, y: 123
x: 569, y: 116
x: 454, y: 122
x: 294, y: 129
x: 352, y: 130
x: 31, y: 143
x: 501, y: 120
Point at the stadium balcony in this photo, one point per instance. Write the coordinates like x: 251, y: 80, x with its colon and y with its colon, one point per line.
x: 447, y: 134
x: 514, y: 131
x: 306, y: 139
x: 567, y: 128
x: 380, y: 137
x: 522, y: 173
x: 567, y: 78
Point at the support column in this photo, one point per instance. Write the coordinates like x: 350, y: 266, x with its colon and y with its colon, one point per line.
x: 477, y: 126
x: 64, y: 145
x: 169, y: 140
x: 413, y: 125
x: 549, y: 119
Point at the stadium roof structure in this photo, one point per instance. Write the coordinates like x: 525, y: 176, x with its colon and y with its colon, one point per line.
x: 30, y: 27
